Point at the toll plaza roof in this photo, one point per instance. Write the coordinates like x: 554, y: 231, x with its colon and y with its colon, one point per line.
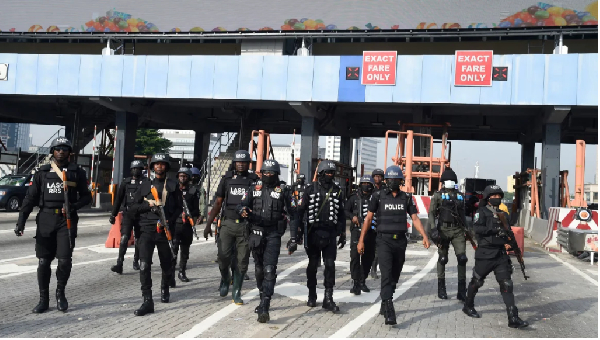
x: 212, y: 93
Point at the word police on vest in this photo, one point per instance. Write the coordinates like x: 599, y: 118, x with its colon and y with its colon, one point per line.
x: 54, y: 188
x: 237, y: 191
x: 393, y: 207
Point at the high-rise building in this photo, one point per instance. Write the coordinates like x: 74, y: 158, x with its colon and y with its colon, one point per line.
x: 510, y: 183
x: 183, y: 142
x: 367, y: 152
x: 15, y: 135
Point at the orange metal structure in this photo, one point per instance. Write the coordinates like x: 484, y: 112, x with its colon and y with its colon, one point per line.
x: 579, y: 200
x: 262, y: 148
x: 534, y: 207
x: 564, y: 198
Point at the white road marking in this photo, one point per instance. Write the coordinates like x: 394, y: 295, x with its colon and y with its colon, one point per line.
x: 33, y: 256
x: 79, y: 226
x: 213, y: 319
x: 362, y: 319
x: 299, y: 292
x: 577, y: 271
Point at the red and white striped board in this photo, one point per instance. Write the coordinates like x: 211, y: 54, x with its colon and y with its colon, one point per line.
x: 566, y: 218
x: 422, y: 203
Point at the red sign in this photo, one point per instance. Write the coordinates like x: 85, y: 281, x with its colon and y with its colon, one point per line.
x: 473, y: 68
x: 379, y: 68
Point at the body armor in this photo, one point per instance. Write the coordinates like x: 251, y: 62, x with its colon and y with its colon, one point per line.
x: 392, y: 212
x: 52, y: 187
x: 130, y: 188
x: 236, y: 188
x: 322, y: 212
x: 267, y: 207
x: 450, y: 204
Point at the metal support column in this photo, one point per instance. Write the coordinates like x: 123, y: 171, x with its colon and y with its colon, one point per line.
x: 309, y: 148
x: 346, y: 150
x: 527, y: 156
x: 201, y: 144
x: 125, y: 143
x: 550, y: 167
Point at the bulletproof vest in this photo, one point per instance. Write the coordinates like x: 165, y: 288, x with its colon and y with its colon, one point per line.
x: 364, y: 209
x: 188, y: 194
x: 327, y: 218
x: 131, y: 186
x: 267, y: 206
x: 236, y: 187
x: 52, y: 187
x: 491, y: 222
x: 299, y: 191
x: 451, y: 200
x: 170, y: 187
x: 391, y: 214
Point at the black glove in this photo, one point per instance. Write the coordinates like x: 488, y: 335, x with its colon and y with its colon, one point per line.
x: 300, y: 237
x: 19, y: 230
x: 502, y: 233
x: 292, y: 246
x: 155, y: 210
x: 111, y: 220
x: 342, y: 240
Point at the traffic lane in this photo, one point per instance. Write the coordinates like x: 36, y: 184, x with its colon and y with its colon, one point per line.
x: 582, y: 266
x: 9, y: 222
x: 12, y: 217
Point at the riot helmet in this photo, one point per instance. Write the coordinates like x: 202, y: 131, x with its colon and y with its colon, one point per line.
x: 136, y: 168
x: 366, y: 184
x: 241, y: 161
x: 188, y: 175
x: 270, y: 172
x: 377, y: 175
x: 61, y: 141
x: 394, y: 177
x: 160, y: 158
x: 195, y: 175
x: 326, y: 171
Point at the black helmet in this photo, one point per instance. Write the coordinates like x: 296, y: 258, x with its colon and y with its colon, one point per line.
x: 136, y: 164
x: 186, y: 171
x: 270, y: 165
x: 325, y: 165
x: 367, y: 179
x: 449, y: 175
x: 241, y: 156
x: 61, y: 141
x: 492, y: 190
x: 160, y: 157
x: 393, y: 172
x: 301, y: 176
x: 377, y: 172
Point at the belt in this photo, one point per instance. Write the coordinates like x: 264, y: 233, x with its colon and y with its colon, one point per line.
x: 234, y: 220
x: 392, y: 236
x: 57, y: 211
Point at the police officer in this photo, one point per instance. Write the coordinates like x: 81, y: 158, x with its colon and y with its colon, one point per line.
x: 153, y: 234
x: 265, y: 205
x: 123, y: 201
x: 233, y: 229
x: 448, y: 206
x: 196, y: 175
x: 53, y: 238
x: 183, y: 236
x: 356, y: 209
x: 391, y: 206
x: 491, y: 256
x: 297, y: 192
x: 323, y: 202
x: 379, y: 184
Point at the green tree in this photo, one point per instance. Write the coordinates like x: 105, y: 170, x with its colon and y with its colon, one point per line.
x: 150, y: 141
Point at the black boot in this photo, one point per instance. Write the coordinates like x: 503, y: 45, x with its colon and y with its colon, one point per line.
x: 164, y: 288
x: 118, y: 268
x: 136, y: 256
x: 312, y: 297
x: 442, y: 289
x: 469, y: 307
x: 260, y: 305
x: 136, y: 264
x: 382, y: 308
x: 246, y: 277
x: 225, y: 279
x: 355, y: 288
x: 263, y: 313
x: 390, y: 313
x: 61, y: 301
x: 363, y: 287
x: 147, y: 306
x: 172, y: 282
x: 236, y: 288
x: 462, y: 290
x: 328, y: 301
x: 182, y: 275
x: 44, y: 303
x: 514, y: 321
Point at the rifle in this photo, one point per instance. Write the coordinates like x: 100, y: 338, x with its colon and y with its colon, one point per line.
x: 162, y: 220
x: 512, y: 242
x: 67, y: 205
x: 186, y: 212
x: 468, y: 235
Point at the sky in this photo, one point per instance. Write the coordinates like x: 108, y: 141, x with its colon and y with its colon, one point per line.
x: 497, y: 160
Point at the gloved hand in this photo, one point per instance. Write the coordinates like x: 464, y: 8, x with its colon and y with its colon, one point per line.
x: 111, y: 220
x: 208, y: 231
x: 502, y: 233
x: 155, y: 210
x: 19, y: 230
x: 291, y: 246
x: 300, y: 237
x: 342, y: 240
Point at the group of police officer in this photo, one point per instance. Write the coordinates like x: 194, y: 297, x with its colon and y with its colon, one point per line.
x: 254, y: 212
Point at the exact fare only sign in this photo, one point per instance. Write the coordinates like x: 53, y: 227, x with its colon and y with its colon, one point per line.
x: 379, y: 68
x: 473, y: 68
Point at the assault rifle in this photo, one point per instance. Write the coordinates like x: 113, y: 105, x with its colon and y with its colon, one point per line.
x: 67, y: 205
x: 512, y: 242
x: 468, y: 235
x: 186, y: 212
x: 162, y: 222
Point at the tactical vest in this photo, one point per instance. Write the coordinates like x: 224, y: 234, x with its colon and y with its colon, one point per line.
x: 451, y: 200
x: 130, y: 187
x: 328, y: 210
x: 188, y: 195
x: 363, y: 209
x: 52, y: 186
x: 236, y: 187
x: 170, y: 187
x: 267, y: 207
x: 392, y: 212
x: 491, y: 222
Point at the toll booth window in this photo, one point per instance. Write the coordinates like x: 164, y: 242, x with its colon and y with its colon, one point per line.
x: 595, y: 197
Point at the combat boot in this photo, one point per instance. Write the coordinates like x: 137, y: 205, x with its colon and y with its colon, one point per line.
x: 382, y: 308
x: 246, y: 277
x: 147, y: 306
x: 236, y: 288
x: 328, y: 301
x: 224, y: 286
x: 44, y: 303
x: 462, y: 290
x: 164, y: 289
x: 312, y: 297
x: 363, y: 286
x: 61, y: 301
x: 182, y: 275
x: 118, y: 268
x: 442, y: 289
x: 172, y: 282
x: 263, y: 314
x: 136, y: 255
x: 260, y: 305
x: 514, y: 321
x: 390, y: 313
x: 355, y: 288
x: 136, y: 264
x: 469, y: 307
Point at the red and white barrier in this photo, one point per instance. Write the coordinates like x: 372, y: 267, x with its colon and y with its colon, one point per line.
x: 422, y: 203
x: 566, y: 218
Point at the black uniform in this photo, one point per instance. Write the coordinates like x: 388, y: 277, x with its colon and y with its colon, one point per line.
x: 325, y: 220
x: 150, y: 237
x: 376, y: 258
x: 391, y: 235
x: 360, y: 266
x: 183, y: 236
x: 51, y: 236
x: 269, y: 206
x: 297, y: 193
x: 123, y: 202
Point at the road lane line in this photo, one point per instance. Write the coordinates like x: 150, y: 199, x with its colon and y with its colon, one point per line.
x: 213, y: 319
x: 577, y: 271
x: 362, y: 319
x: 12, y: 231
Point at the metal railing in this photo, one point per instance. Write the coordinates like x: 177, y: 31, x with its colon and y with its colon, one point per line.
x: 206, y: 168
x: 36, y: 163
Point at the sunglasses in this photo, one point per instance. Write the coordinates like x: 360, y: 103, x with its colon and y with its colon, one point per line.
x: 62, y: 148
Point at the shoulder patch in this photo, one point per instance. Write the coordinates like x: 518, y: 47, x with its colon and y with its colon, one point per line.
x: 277, y: 189
x: 476, y: 218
